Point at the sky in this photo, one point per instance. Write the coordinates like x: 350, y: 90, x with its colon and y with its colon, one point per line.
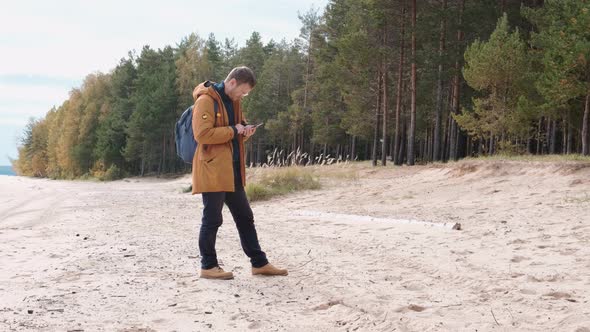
x: 48, y: 47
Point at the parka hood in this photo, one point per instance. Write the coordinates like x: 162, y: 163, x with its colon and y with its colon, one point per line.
x: 205, y: 88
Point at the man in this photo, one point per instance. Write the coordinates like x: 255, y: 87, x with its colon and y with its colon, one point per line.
x: 219, y: 171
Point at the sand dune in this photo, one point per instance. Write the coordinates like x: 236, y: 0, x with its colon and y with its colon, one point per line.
x: 373, y: 254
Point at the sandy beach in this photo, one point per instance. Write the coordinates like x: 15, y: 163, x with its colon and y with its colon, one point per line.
x: 370, y: 252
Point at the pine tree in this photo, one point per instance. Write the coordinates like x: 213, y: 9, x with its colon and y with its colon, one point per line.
x: 564, y: 39
x: 111, y: 136
x: 498, y: 68
x: 214, y: 55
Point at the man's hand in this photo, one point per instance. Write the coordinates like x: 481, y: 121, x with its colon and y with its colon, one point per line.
x: 249, y: 130
x: 240, y: 128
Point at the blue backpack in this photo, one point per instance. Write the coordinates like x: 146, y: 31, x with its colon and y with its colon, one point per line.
x: 186, y: 146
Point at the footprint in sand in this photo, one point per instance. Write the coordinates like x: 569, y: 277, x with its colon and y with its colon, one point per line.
x: 411, y: 307
x: 518, y: 241
x: 528, y: 291
x: 557, y: 295
x: 325, y: 306
x: 548, y: 278
x: 413, y: 285
x: 568, y: 251
x: 518, y: 259
x: 254, y: 325
x: 462, y: 252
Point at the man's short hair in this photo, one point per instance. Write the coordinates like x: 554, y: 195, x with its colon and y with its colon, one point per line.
x: 242, y: 75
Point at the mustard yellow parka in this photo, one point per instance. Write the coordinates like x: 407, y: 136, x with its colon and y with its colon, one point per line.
x: 213, y: 163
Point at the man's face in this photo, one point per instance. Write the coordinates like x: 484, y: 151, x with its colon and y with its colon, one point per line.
x: 236, y: 92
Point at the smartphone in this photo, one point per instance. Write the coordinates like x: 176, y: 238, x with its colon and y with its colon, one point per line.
x: 257, y: 125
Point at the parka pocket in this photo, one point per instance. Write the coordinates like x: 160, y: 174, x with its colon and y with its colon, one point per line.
x: 211, y: 152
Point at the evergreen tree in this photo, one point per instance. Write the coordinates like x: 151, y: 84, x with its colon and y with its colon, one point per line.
x: 499, y: 69
x: 111, y: 136
x: 564, y: 39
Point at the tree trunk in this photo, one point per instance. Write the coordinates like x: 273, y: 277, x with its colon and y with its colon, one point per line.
x: 570, y: 135
x: 253, y: 159
x: 307, y: 67
x: 539, y: 145
x: 352, y: 148
x: 585, y: 142
x: 162, y: 166
x: 429, y: 142
x: 172, y: 149
x: 402, y: 150
x: 302, y: 141
x: 481, y: 147
x: 456, y: 91
x: 564, y: 136
x: 391, y: 147
x: 454, y: 140
x: 259, y: 155
x: 553, y: 132
x: 412, y: 133
x: 384, y: 109
x: 250, y: 149
x: 439, y: 90
x: 398, y: 98
x: 548, y: 136
x: 294, y: 145
x: 378, y: 106
x: 446, y: 143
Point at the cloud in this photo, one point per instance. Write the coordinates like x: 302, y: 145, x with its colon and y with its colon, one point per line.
x: 13, y: 122
x: 72, y: 38
x: 29, y: 79
x: 29, y: 100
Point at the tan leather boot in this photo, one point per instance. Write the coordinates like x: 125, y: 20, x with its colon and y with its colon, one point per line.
x: 269, y: 270
x: 216, y: 273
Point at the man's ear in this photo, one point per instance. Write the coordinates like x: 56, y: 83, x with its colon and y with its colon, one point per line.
x: 232, y: 83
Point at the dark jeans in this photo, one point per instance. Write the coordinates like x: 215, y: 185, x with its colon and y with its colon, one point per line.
x: 238, y: 205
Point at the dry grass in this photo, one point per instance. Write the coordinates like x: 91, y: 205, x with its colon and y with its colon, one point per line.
x: 271, y: 182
